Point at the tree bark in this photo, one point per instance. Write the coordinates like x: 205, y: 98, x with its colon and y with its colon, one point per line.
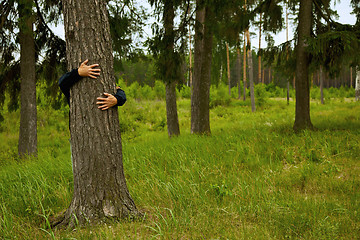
x: 357, y: 85
x: 259, y: 60
x: 171, y: 107
x: 287, y: 56
x: 228, y: 67
x: 239, y: 72
x: 321, y: 85
x: 200, y: 119
x: 190, y: 60
x: 100, y: 189
x: 244, y: 68
x: 251, y: 74
x: 171, y: 110
x: 28, y: 112
x: 302, y: 112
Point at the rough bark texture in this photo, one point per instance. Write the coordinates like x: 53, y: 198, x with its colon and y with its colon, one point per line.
x: 100, y: 190
x: 200, y: 120
x: 28, y: 112
x: 357, y: 85
x: 302, y: 112
x: 171, y: 110
x: 171, y: 107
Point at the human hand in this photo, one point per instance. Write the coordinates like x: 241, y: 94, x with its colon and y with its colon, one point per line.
x: 106, y: 103
x: 88, y: 71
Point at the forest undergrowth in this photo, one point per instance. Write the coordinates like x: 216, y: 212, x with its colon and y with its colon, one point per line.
x: 253, y: 178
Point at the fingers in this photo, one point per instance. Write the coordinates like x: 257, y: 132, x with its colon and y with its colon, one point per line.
x: 94, y: 65
x: 84, y: 62
x: 94, y: 75
x: 107, y: 102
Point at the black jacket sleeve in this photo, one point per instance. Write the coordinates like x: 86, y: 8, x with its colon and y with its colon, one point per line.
x: 67, y: 80
x: 120, y: 96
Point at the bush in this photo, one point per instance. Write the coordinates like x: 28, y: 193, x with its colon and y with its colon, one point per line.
x: 184, y: 92
x: 219, y: 96
x: 133, y: 91
x: 159, y: 89
x: 147, y: 92
x: 260, y: 94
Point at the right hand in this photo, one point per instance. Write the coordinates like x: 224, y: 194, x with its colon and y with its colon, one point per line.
x: 88, y: 71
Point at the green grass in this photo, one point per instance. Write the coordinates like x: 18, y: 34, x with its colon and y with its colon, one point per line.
x: 253, y: 178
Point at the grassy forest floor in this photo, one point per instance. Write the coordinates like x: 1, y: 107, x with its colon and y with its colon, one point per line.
x: 253, y: 178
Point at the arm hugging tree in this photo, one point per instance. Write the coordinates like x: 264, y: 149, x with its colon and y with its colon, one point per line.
x: 100, y: 190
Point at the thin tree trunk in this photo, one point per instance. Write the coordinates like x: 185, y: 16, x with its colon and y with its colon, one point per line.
x: 259, y: 58
x: 244, y: 68
x: 28, y: 112
x: 269, y: 75
x: 190, y: 60
x: 287, y: 55
x: 171, y: 110
x: 302, y: 112
x: 200, y: 118
x: 239, y: 72
x: 321, y: 76
x: 228, y: 67
x: 294, y: 84
x: 244, y: 60
x: 288, y: 92
x: 171, y: 107
x: 100, y: 189
x: 351, y: 77
x: 251, y: 74
x: 357, y: 85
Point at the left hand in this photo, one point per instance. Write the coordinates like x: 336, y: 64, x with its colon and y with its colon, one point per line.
x: 106, y: 103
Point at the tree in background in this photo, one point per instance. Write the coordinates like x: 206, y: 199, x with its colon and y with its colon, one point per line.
x: 251, y: 72
x: 200, y: 120
x: 357, y: 86
x: 28, y: 113
x: 170, y: 61
x: 302, y: 110
x: 100, y: 189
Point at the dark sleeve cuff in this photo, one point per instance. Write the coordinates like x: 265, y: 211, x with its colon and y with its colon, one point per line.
x: 67, y: 80
x: 120, y: 96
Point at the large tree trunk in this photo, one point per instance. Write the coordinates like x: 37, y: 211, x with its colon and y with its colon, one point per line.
x: 100, y: 189
x: 200, y: 119
x: 171, y: 107
x: 302, y: 113
x: 251, y: 74
x: 28, y: 112
x: 357, y: 85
